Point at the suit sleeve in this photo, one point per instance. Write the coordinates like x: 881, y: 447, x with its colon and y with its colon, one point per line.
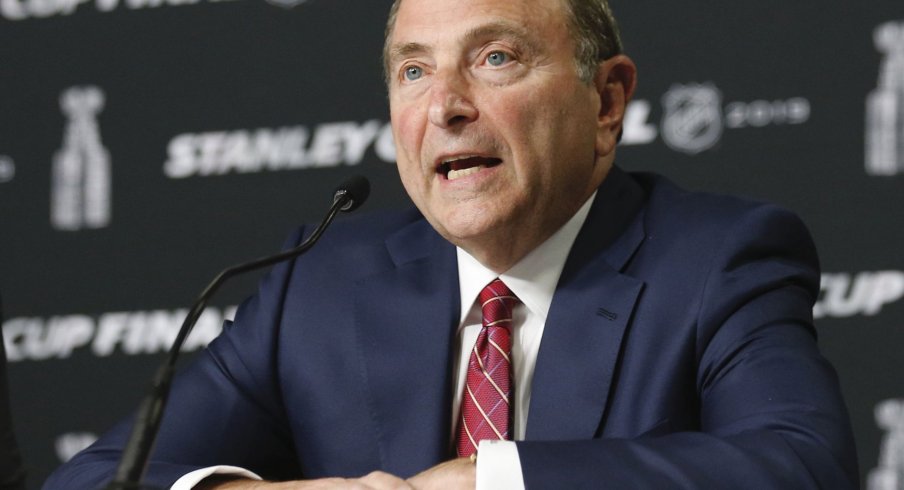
x: 227, y: 403
x: 771, y: 412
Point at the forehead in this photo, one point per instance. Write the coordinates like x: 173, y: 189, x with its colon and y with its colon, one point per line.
x: 429, y: 22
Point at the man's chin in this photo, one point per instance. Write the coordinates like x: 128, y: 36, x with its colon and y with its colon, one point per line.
x: 478, y: 241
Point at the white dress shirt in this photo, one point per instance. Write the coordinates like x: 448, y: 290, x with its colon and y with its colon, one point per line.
x: 533, y: 280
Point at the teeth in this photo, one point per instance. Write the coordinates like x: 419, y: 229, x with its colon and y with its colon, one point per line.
x: 464, y: 157
x: 455, y: 174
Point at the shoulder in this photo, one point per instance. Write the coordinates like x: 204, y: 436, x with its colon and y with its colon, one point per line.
x: 683, y: 215
x: 693, y: 235
x: 357, y: 245
x: 668, y: 199
x: 369, y: 227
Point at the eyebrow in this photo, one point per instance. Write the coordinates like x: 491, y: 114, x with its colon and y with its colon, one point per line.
x: 405, y: 50
x: 502, y: 30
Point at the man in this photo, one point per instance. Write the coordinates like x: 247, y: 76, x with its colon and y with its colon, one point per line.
x: 658, y: 338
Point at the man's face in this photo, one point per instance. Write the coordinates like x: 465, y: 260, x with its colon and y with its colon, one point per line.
x: 496, y: 136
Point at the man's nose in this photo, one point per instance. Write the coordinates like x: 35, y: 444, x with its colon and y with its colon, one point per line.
x: 450, y: 101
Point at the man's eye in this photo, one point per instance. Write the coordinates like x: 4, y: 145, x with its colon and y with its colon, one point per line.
x: 498, y: 58
x: 413, y: 73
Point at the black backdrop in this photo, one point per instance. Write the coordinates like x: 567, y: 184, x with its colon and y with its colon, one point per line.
x: 146, y: 144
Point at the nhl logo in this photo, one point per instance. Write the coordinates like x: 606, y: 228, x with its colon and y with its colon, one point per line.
x: 692, y: 122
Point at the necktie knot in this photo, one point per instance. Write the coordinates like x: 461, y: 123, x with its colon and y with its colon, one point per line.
x: 497, y: 302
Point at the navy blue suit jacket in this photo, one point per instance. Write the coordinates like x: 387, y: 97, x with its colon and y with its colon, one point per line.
x: 679, y: 352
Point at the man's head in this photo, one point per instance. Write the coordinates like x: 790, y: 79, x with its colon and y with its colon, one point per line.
x: 505, y: 116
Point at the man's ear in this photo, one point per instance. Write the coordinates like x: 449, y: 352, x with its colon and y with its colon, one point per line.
x: 615, y: 81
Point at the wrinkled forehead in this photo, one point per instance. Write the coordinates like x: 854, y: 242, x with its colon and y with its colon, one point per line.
x: 420, y: 22
x: 401, y: 8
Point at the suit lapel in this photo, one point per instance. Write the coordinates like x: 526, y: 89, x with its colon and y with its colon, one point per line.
x: 407, y: 315
x: 406, y: 318
x: 590, y: 311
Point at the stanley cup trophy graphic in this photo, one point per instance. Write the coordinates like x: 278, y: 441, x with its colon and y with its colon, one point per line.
x: 889, y: 475
x: 80, y: 195
x: 885, y: 105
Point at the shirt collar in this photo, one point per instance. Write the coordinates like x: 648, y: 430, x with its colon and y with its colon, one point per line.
x: 533, y: 279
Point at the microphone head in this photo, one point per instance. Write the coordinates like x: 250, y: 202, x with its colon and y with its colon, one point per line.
x: 354, y: 191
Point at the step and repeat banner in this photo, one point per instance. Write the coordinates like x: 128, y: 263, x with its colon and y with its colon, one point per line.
x: 147, y: 144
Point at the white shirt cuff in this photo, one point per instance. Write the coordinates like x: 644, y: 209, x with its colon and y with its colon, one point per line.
x: 189, y: 480
x: 498, y: 466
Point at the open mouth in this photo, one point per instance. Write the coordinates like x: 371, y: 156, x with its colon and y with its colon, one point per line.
x: 458, y: 167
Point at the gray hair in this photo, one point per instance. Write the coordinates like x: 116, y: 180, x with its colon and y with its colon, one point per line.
x: 593, y: 29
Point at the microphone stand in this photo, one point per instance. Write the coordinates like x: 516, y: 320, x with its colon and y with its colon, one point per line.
x: 137, y: 452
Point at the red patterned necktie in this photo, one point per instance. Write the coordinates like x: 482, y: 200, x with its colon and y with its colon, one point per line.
x: 486, y: 404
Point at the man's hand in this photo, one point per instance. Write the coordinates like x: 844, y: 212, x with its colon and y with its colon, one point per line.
x: 376, y: 480
x: 455, y: 474
x: 458, y: 473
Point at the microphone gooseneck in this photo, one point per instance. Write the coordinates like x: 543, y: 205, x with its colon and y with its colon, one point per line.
x: 136, y: 454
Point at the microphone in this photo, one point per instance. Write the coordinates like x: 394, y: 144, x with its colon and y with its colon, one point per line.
x: 137, y: 452
x: 355, y: 189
